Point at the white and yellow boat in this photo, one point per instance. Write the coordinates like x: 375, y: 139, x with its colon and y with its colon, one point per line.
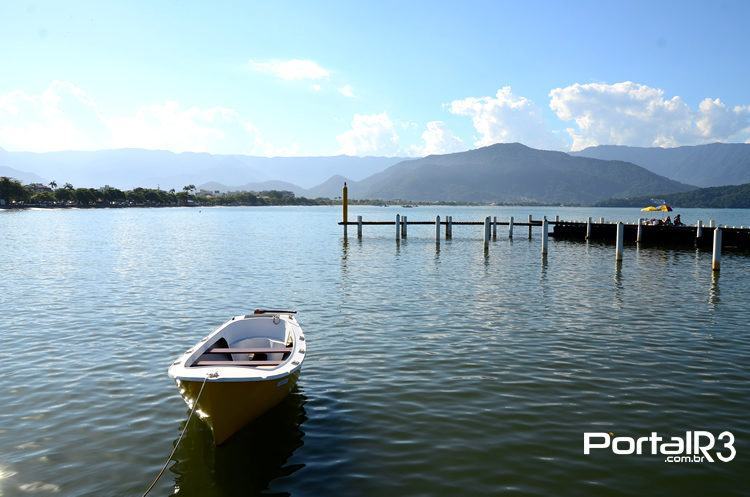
x: 249, y: 364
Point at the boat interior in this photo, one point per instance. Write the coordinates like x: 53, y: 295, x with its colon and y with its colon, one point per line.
x: 259, y: 341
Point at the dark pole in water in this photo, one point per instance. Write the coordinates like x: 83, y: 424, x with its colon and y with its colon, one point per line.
x: 345, y: 205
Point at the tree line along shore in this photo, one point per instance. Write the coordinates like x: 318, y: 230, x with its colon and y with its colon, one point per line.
x: 14, y: 194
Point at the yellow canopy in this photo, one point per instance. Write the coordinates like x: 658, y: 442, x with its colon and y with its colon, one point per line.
x: 661, y: 208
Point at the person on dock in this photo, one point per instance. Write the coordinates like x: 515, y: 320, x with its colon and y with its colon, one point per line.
x: 677, y: 220
x: 668, y: 222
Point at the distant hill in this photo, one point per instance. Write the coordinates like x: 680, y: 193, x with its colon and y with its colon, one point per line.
x: 22, y: 176
x: 254, y: 187
x: 512, y: 172
x: 714, y: 164
x: 729, y: 197
x: 128, y: 168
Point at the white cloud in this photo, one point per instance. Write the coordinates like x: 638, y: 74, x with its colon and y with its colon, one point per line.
x: 629, y: 113
x: 370, y: 134
x: 316, y: 87
x: 505, y: 118
x: 438, y: 139
x: 347, y: 91
x: 290, y: 70
x: 64, y: 117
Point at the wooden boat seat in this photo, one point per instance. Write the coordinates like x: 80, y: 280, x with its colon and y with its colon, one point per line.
x: 237, y: 363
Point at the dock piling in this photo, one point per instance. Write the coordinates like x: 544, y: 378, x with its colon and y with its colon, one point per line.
x: 345, y: 206
x: 398, y: 226
x: 699, y: 229
x: 510, y: 228
x: 639, y: 233
x: 494, y: 228
x: 530, y: 220
x: 544, y: 236
x: 487, y: 231
x: 601, y: 220
x: 619, y: 240
x: 448, y: 227
x: 588, y: 228
x: 437, y: 229
x: 711, y: 223
x: 403, y: 227
x: 716, y: 259
x: 359, y: 227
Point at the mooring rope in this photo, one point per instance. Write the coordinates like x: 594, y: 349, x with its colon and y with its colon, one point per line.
x: 184, y: 429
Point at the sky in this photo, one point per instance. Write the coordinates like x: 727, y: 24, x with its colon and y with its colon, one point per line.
x: 393, y: 78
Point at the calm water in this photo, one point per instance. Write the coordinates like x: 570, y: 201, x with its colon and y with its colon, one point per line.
x: 430, y: 372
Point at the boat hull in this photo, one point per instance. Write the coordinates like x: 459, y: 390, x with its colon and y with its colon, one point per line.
x: 227, y: 406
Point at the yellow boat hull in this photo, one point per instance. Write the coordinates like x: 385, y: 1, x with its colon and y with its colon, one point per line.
x: 227, y: 406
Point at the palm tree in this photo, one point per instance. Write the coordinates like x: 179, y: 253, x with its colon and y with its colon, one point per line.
x: 53, y: 184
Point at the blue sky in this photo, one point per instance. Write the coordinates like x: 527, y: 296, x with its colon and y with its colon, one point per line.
x: 377, y: 78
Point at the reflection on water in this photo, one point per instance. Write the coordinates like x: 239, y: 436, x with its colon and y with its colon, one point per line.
x: 429, y: 373
x: 246, y: 463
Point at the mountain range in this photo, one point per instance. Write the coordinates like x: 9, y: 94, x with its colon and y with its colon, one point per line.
x: 715, y: 197
x: 713, y: 164
x: 503, y: 173
x: 128, y: 168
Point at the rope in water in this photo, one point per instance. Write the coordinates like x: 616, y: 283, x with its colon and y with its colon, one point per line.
x: 184, y: 429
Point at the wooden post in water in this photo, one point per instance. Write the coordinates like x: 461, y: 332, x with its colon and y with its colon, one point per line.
x: 699, y: 229
x: 619, y: 240
x: 716, y: 259
x: 544, y: 236
x: 345, y: 206
x: 359, y: 227
x: 487, y: 231
x: 448, y: 227
x: 711, y: 223
x: 494, y: 228
x: 437, y: 229
x: 639, y: 233
x: 403, y: 227
x: 601, y: 220
x: 588, y: 229
x: 530, y: 226
x: 398, y: 226
x: 510, y: 228
x: 557, y: 219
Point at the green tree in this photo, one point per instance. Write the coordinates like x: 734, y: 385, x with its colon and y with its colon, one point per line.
x: 53, y: 184
x: 12, y: 190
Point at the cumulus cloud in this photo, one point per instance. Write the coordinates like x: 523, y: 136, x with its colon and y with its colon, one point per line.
x: 64, y: 117
x: 290, y: 70
x: 629, y: 113
x: 506, y: 117
x: 370, y: 134
x: 438, y: 139
x: 347, y: 91
x: 61, y: 117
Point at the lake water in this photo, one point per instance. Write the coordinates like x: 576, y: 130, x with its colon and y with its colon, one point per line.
x: 429, y: 372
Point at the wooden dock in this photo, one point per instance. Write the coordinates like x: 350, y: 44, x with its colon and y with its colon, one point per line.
x: 712, y: 236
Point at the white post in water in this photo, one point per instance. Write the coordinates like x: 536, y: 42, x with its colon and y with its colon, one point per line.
x: 437, y: 229
x: 398, y: 226
x: 716, y: 259
x: 510, y: 228
x: 699, y: 229
x: 557, y: 219
x: 601, y: 220
x: 494, y: 228
x: 588, y: 229
x: 359, y: 227
x: 403, y: 227
x: 618, y: 243
x: 639, y: 233
x: 711, y: 223
x: 544, y: 236
x: 530, y: 226
x: 486, y: 231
